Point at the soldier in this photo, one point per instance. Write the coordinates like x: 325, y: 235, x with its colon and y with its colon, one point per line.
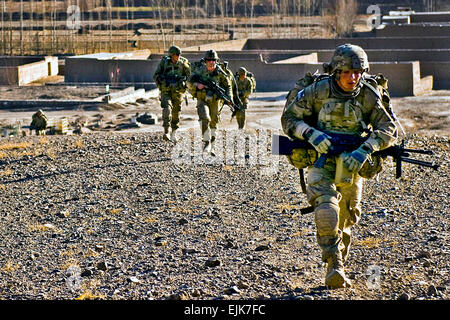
x: 208, y: 103
x: 347, y: 102
x: 39, y: 122
x: 234, y: 87
x: 245, y: 89
x: 170, y: 77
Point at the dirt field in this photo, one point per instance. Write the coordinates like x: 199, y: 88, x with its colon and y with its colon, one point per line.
x: 428, y: 114
x: 111, y: 215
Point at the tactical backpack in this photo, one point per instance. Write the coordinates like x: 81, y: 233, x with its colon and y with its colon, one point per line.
x: 252, y: 80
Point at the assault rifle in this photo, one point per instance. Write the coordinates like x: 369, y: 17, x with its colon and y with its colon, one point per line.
x: 172, y: 79
x: 219, y: 91
x: 282, y: 145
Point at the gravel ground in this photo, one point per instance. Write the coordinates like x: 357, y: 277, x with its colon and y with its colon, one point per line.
x: 117, y: 216
x: 123, y: 215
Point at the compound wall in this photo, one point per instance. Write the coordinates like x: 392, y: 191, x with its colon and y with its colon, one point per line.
x: 434, y: 17
x: 403, y: 77
x: 23, y: 70
x: 109, y: 71
x: 367, y: 43
x: 434, y: 63
x: 413, y: 30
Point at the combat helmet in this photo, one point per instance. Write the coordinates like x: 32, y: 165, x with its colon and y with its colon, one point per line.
x: 346, y: 57
x: 211, y: 55
x: 242, y: 70
x: 174, y: 50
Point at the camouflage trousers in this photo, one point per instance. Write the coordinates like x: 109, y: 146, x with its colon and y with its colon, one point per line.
x: 336, y: 209
x: 240, y: 117
x: 208, y: 114
x: 171, y: 107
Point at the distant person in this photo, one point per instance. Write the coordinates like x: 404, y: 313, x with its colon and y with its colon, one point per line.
x: 234, y: 87
x: 343, y: 104
x: 208, y: 102
x: 39, y: 123
x: 245, y: 89
x: 170, y: 77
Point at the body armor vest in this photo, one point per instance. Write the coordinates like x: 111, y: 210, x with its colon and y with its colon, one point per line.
x: 341, y: 116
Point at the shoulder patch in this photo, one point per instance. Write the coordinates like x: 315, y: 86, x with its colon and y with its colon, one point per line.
x: 300, y: 94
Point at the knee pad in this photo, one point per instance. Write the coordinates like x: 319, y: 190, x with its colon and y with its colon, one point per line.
x: 327, y: 216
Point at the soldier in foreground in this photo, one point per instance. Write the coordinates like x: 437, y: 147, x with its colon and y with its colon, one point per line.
x: 39, y: 122
x: 170, y: 77
x: 210, y: 85
x: 245, y: 89
x: 344, y: 103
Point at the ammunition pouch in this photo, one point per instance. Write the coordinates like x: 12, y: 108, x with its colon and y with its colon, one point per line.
x: 302, y: 158
x: 181, y: 87
x: 209, y: 96
x: 368, y: 170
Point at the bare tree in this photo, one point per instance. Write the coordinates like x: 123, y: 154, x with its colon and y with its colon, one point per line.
x: 2, y: 28
x: 342, y: 16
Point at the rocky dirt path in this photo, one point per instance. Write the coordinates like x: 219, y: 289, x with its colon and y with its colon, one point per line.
x: 121, y: 215
x: 112, y: 216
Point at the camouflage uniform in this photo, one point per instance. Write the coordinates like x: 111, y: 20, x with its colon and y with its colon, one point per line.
x: 39, y: 122
x: 324, y: 107
x: 172, y: 91
x: 208, y: 104
x: 245, y: 89
x: 234, y: 88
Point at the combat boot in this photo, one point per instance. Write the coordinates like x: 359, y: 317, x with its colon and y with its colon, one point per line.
x: 213, y: 149
x: 206, y: 146
x: 166, y: 136
x: 213, y: 140
x: 336, y: 277
x: 173, y: 136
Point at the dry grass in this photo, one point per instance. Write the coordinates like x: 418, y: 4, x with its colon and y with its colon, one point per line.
x: 371, y: 242
x: 6, y: 172
x: 125, y: 141
x: 150, y: 220
x: 44, y: 140
x: 10, y: 267
x: 21, y: 149
x: 79, y: 144
x: 115, y: 211
x: 88, y: 295
x: 15, y: 146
